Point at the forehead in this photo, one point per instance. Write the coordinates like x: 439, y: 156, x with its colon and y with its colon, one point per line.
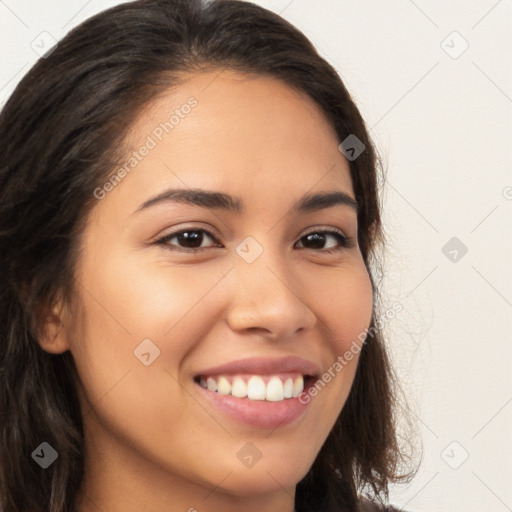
x: 249, y: 135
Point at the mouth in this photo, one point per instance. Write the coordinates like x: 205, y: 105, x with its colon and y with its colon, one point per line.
x: 271, y: 388
x: 261, y: 401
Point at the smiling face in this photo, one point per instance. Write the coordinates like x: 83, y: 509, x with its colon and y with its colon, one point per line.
x: 260, y: 284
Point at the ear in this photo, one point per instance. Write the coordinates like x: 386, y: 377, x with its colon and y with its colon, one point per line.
x: 52, y: 331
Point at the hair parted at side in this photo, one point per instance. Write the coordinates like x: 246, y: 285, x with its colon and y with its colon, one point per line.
x: 61, y: 135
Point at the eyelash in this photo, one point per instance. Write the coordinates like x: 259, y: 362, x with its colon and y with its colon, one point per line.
x: 344, y: 241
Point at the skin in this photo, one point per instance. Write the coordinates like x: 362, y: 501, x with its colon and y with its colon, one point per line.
x: 152, y: 442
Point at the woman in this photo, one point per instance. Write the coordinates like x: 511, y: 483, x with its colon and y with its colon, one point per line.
x: 189, y: 215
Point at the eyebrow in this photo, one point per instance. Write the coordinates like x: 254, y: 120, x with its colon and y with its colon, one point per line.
x: 220, y: 201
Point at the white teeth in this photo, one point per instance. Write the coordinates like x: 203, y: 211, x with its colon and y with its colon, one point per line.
x: 288, y: 388
x: 239, y: 388
x: 298, y: 386
x: 275, y: 391
x: 224, y: 386
x: 255, y: 389
x: 211, y: 384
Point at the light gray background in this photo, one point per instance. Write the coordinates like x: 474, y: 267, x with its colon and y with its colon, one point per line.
x: 442, y: 123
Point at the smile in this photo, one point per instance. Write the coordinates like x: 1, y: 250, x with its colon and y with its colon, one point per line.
x: 273, y: 388
x: 265, y: 402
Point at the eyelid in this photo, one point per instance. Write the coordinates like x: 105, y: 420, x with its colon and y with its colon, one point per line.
x: 211, y: 231
x: 324, y: 228
x: 163, y: 239
x: 214, y: 234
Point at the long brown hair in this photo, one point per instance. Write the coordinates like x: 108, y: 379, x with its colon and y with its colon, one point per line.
x: 61, y: 134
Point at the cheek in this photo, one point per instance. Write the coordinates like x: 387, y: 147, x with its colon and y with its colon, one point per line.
x: 344, y: 304
x: 345, y: 309
x: 132, y: 310
x: 130, y: 299
x: 127, y: 308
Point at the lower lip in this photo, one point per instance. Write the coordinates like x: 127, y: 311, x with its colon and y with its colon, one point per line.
x: 257, y: 413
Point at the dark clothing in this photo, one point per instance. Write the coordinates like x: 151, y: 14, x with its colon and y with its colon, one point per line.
x: 368, y: 506
x: 364, y: 505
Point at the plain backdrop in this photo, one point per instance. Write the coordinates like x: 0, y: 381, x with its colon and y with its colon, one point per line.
x: 434, y: 83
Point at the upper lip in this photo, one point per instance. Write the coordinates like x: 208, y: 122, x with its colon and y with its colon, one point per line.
x: 265, y: 366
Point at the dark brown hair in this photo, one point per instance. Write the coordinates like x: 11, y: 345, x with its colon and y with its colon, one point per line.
x: 61, y: 135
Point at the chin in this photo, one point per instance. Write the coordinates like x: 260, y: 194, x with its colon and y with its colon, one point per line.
x: 266, y: 477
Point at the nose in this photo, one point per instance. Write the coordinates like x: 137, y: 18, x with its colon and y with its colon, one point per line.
x: 268, y: 299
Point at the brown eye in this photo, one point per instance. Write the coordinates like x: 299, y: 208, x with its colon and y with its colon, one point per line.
x: 318, y: 238
x: 188, y: 240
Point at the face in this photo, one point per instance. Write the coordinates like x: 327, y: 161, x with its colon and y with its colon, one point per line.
x: 171, y: 291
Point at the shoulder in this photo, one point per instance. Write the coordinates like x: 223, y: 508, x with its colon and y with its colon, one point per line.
x: 369, y: 506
